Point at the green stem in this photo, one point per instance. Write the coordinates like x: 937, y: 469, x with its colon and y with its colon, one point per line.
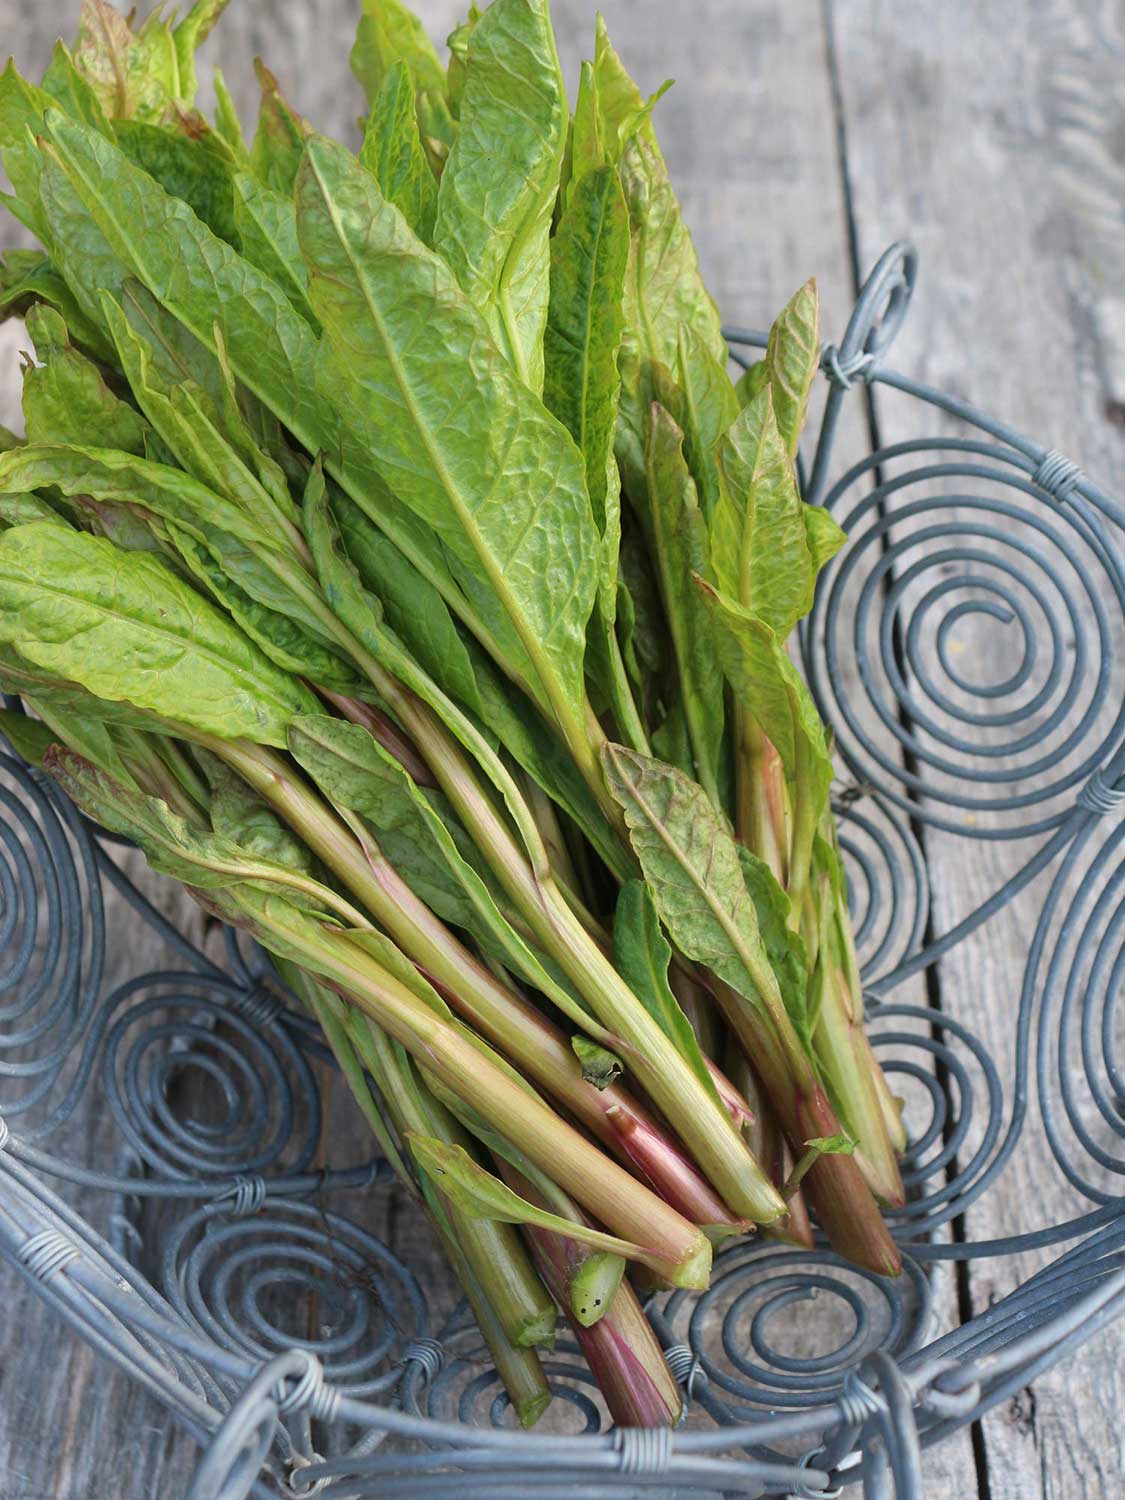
x: 629, y: 723
x: 836, y: 1186
x: 761, y: 797
x: 495, y: 1252
x: 589, y: 1278
x: 768, y: 1143
x: 520, y: 1031
x: 806, y: 816
x: 469, y: 1070
x: 701, y: 1122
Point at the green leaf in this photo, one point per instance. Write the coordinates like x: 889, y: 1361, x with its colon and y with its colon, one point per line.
x: 622, y: 109
x: 480, y: 1195
x: 20, y: 677
x: 498, y: 189
x: 786, y: 948
x: 22, y: 111
x: 282, y: 633
x: 240, y: 815
x: 588, y: 257
x: 414, y: 609
x: 20, y: 508
x: 641, y: 956
x: 272, y: 349
x: 72, y: 91
x: 65, y: 398
x: 92, y: 738
x: 691, y: 865
x: 752, y: 382
x: 462, y: 442
x: 392, y: 152
x: 679, y: 543
x: 823, y: 536
x: 458, y: 42
x: 28, y: 737
x: 188, y: 36
x: 279, y: 142
x: 760, y: 552
x: 171, y: 846
x: 185, y: 168
x: 768, y: 687
x: 792, y: 360
x: 43, y: 284
x: 135, y: 75
x: 664, y: 292
x: 227, y: 123
x: 599, y: 1066
x: 108, y: 474
x: 183, y: 415
x: 520, y: 729
x: 125, y: 627
x: 706, y: 410
x: 265, y: 222
x: 832, y: 1145
x: 390, y: 32
x: 361, y: 615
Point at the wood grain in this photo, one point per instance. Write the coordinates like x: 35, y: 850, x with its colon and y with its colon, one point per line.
x: 1010, y: 179
x: 991, y: 137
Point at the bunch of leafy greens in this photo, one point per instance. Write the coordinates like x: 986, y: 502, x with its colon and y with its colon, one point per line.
x: 391, y: 556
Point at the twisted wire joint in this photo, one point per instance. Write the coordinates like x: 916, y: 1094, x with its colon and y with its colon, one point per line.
x: 810, y: 1491
x: 5, y: 1133
x: 643, y: 1450
x: 425, y: 1352
x: 857, y: 1401
x: 311, y: 1391
x: 247, y: 1196
x: 845, y: 373
x: 47, y: 1252
x: 1057, y: 475
x: 685, y: 1366
x: 1098, y: 796
x: 259, y: 1004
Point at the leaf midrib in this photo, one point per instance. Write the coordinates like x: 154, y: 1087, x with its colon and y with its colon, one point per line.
x: 194, y: 645
x: 495, y: 576
x: 656, y: 823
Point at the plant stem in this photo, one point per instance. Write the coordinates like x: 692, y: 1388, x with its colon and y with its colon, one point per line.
x: 467, y: 1067
x: 767, y: 1141
x: 630, y: 726
x: 662, y: 1072
x: 536, y: 1045
x: 835, y: 1184
x: 621, y: 1349
x: 849, y: 1070
x: 589, y: 1278
x: 495, y: 1252
x: 650, y: 1056
x: 382, y: 730
x: 761, y: 798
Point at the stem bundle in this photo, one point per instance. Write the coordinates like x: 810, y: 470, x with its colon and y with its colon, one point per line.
x: 394, y: 561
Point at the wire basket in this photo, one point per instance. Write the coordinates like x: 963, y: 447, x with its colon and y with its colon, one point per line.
x: 393, y: 1394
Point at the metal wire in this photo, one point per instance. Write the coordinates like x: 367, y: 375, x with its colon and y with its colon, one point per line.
x: 953, y: 527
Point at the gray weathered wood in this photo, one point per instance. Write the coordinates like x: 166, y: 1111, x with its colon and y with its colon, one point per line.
x: 749, y: 132
x: 985, y: 133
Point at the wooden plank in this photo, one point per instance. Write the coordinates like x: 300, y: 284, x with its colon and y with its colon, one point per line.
x: 1000, y: 173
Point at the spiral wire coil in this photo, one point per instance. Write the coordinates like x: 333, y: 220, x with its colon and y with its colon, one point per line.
x: 384, y: 1396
